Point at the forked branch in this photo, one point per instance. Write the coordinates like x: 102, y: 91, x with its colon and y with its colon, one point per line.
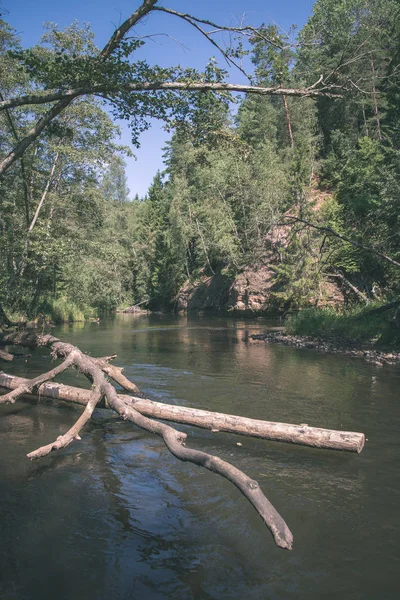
x: 174, y: 440
x: 30, y: 385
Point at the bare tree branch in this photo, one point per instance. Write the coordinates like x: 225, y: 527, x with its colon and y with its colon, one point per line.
x: 26, y: 388
x: 45, y: 192
x: 52, y: 96
x: 73, y: 433
x: 194, y: 23
x: 123, y: 29
x: 65, y: 97
x: 306, y: 435
x: 245, y: 30
x: 174, y: 440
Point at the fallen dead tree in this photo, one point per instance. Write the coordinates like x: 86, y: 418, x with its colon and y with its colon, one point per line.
x: 142, y: 412
x: 268, y: 430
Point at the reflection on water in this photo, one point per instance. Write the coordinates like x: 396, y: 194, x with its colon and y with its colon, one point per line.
x: 116, y: 516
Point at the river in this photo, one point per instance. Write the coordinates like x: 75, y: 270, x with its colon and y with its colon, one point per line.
x: 116, y: 516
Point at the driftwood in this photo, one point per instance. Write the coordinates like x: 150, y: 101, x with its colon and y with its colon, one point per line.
x: 94, y: 369
x: 142, y: 413
x: 281, y: 432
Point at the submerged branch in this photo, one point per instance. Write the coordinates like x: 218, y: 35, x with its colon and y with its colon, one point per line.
x: 174, y: 440
x: 4, y: 355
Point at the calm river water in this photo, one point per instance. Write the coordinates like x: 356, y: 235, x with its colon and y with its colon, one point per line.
x: 116, y: 516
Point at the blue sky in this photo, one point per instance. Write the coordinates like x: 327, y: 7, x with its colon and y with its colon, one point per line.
x: 189, y: 49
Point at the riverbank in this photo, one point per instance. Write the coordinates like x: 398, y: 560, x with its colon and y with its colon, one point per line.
x: 133, y: 310
x: 378, y: 357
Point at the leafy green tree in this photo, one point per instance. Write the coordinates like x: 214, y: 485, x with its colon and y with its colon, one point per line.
x: 114, y: 182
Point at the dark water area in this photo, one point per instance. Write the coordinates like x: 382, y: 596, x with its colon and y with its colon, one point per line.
x: 117, y: 516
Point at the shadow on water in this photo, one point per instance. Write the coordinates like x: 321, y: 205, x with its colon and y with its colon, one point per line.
x: 116, y: 516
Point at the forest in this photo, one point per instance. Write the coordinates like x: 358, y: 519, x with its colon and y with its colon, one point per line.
x: 279, y: 197
x: 271, y: 201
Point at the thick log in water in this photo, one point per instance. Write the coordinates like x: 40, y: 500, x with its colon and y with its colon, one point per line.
x: 282, y: 432
x: 101, y: 389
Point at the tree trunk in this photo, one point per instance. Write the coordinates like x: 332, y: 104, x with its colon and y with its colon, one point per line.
x: 22, y: 162
x: 45, y: 192
x: 142, y: 412
x: 350, y: 285
x: 375, y: 99
x: 268, y: 430
x: 365, y: 120
x: 288, y: 121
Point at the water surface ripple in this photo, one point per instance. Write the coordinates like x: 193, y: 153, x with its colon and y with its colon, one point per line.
x: 117, y: 516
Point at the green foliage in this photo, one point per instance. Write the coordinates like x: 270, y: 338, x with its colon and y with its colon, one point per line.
x: 63, y: 310
x: 226, y: 185
x: 357, y: 174
x: 354, y: 326
x: 272, y: 55
x: 61, y: 245
x: 70, y: 237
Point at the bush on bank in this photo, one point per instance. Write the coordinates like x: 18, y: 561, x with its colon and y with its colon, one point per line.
x: 354, y: 325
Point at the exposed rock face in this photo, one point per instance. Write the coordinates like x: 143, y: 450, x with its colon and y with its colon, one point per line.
x: 209, y: 293
x: 250, y: 292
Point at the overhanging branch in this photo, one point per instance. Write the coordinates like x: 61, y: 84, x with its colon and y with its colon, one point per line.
x: 64, y: 101
x: 49, y: 96
x: 63, y: 98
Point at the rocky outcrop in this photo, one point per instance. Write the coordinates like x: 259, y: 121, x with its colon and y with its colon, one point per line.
x: 208, y: 293
x: 249, y: 293
x: 252, y: 290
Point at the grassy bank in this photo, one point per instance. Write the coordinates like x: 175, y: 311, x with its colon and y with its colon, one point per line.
x: 63, y: 310
x: 353, y: 326
x: 56, y: 311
